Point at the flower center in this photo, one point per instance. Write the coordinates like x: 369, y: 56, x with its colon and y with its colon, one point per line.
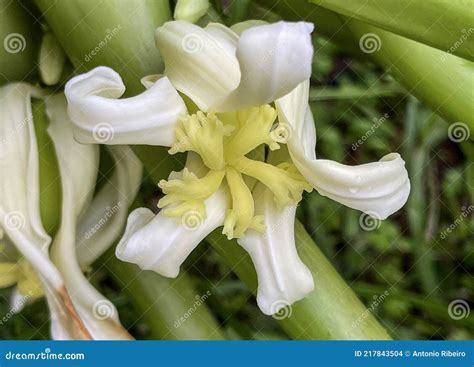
x: 224, y: 142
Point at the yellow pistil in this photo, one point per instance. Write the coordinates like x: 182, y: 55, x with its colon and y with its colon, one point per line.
x: 189, y: 192
x: 203, y: 134
x: 284, y: 180
x: 254, y: 129
x: 223, y: 141
x: 23, y: 275
x: 240, y: 217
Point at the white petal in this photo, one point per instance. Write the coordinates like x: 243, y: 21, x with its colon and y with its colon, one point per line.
x: 150, y: 80
x: 200, y: 63
x: 78, y: 166
x: 282, y: 276
x: 273, y: 60
x: 19, y: 205
x: 161, y: 244
x: 378, y: 189
x: 105, y: 217
x: 101, y: 118
x: 293, y: 109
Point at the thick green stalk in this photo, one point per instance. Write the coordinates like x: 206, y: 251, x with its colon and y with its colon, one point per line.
x: 171, y: 308
x: 115, y: 33
x: 19, y: 49
x: 441, y: 80
x: 50, y: 180
x: 331, y: 311
x: 424, y: 21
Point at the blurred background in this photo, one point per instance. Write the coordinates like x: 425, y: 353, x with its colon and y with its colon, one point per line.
x: 421, y: 258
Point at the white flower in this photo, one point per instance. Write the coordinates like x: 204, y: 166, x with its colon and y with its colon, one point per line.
x: 229, y: 79
x: 53, y: 269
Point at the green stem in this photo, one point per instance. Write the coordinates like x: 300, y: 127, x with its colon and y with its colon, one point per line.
x: 170, y: 307
x: 20, y: 37
x: 50, y: 180
x: 115, y: 33
x: 415, y: 20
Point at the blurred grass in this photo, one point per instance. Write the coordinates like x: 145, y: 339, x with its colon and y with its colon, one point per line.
x: 407, y: 255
